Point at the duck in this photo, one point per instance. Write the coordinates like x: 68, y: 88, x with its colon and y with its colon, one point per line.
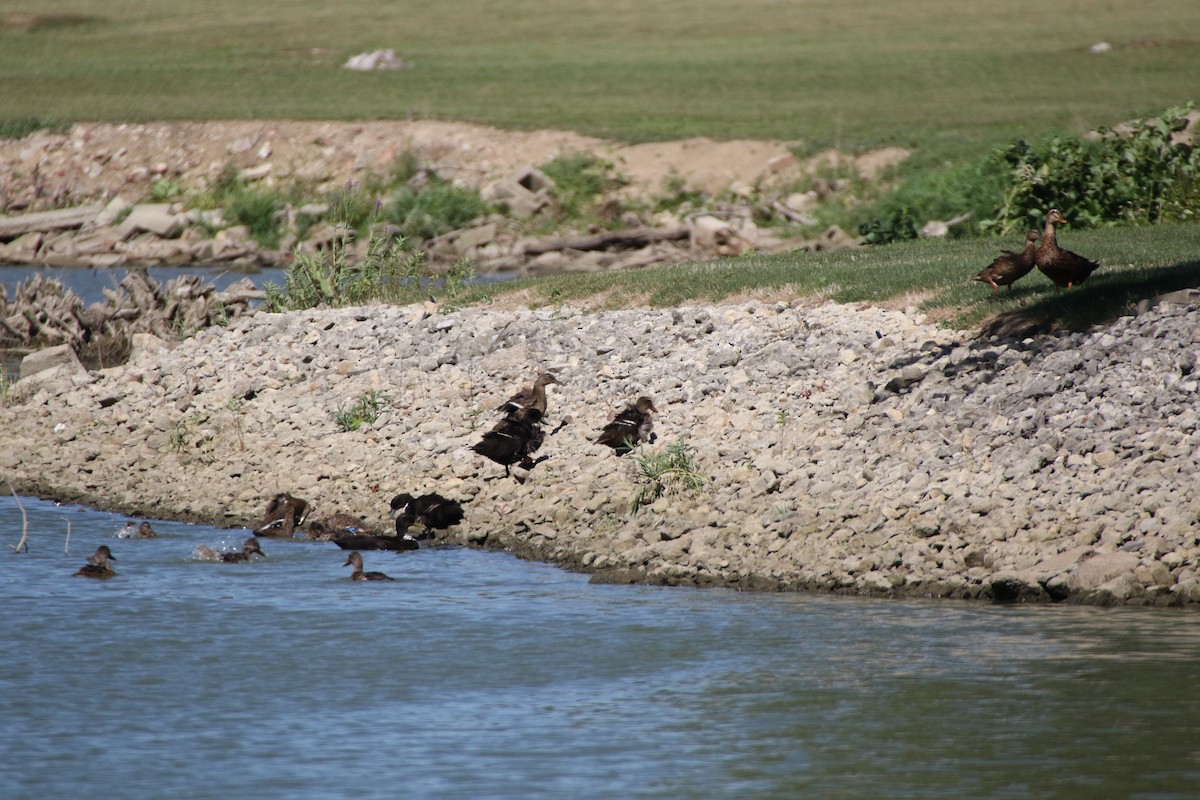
x: 337, y: 525
x: 1061, y: 266
x: 354, y: 559
x: 97, y: 564
x: 1007, y: 269
x: 630, y: 427
x: 514, y: 439
x: 433, y: 510
x: 133, y: 530
x: 284, y: 513
x: 250, y: 547
x: 532, y: 396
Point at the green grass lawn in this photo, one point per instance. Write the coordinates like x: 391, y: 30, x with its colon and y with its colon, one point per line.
x: 931, y: 274
x: 941, y: 74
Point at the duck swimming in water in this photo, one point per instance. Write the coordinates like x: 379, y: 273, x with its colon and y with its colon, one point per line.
x: 630, y: 427
x: 336, y: 526
x: 1063, y: 267
x: 354, y: 559
x: 97, y: 564
x: 1010, y: 267
x: 282, y: 516
x: 433, y: 511
x: 250, y: 547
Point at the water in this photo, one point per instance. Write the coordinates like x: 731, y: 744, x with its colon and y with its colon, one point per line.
x: 476, y: 675
x: 90, y: 282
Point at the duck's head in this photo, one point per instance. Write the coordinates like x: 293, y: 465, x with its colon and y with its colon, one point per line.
x: 353, y: 559
x: 1032, y: 237
x: 645, y: 404
x: 1055, y: 218
x: 101, y: 556
x: 547, y: 378
x: 251, y: 546
x: 401, y: 501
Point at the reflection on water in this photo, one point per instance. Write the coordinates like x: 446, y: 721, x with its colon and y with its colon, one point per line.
x: 477, y: 675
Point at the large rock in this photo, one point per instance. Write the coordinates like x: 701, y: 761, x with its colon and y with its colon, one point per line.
x: 49, y: 358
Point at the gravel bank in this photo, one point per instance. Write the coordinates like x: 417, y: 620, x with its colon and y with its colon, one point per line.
x: 853, y: 450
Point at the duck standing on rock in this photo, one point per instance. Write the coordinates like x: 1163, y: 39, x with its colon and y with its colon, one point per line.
x: 97, y: 565
x: 1010, y: 267
x: 532, y: 396
x: 630, y: 427
x: 433, y: 510
x: 1061, y: 266
x: 514, y: 439
x: 250, y: 547
x: 283, y: 515
x: 354, y: 559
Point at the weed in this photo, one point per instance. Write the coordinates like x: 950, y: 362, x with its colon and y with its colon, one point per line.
x: 366, y: 409
x: 439, y: 207
x: 235, y: 407
x: 22, y: 127
x: 581, y: 180
x: 670, y: 470
x: 259, y: 211
x: 389, y: 272
x: 165, y: 190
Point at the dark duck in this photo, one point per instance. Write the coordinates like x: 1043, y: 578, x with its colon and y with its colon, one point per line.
x: 351, y: 533
x: 250, y: 548
x: 336, y: 526
x: 97, y: 564
x: 1010, y: 267
x: 1061, y: 266
x: 283, y: 515
x: 630, y: 427
x: 354, y: 559
x: 514, y: 439
x: 432, y: 510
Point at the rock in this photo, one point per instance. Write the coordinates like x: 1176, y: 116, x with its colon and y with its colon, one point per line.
x: 155, y: 218
x: 49, y: 358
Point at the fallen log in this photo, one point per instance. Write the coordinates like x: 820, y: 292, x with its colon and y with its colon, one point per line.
x: 42, y: 221
x: 628, y: 239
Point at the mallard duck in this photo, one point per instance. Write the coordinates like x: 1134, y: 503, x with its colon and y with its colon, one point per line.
x: 513, y: 439
x: 532, y: 396
x: 374, y: 541
x: 433, y: 510
x: 630, y: 427
x: 134, y: 530
x: 337, y: 525
x: 250, y: 547
x: 354, y: 559
x: 1010, y: 267
x: 283, y: 515
x: 97, y: 564
x: 1061, y: 266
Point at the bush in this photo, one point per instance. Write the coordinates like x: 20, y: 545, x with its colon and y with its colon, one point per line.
x: 440, y: 207
x: 581, y: 179
x: 389, y: 272
x: 259, y: 211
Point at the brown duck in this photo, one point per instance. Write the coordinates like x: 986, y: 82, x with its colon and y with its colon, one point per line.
x: 282, y: 516
x: 250, y: 547
x: 1061, y: 266
x: 97, y: 564
x: 630, y: 427
x: 353, y: 559
x: 514, y: 439
x: 532, y: 396
x: 1010, y: 267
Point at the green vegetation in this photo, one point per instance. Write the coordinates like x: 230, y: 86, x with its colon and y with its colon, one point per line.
x: 437, y: 208
x: 366, y: 409
x: 671, y: 470
x: 580, y: 181
x: 21, y: 127
x: 851, y: 73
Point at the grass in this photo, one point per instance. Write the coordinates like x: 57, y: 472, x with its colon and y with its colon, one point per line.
x: 671, y: 470
x: 365, y: 410
x: 849, y: 73
x: 931, y: 274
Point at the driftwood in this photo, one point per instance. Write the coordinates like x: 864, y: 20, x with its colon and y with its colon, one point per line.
x: 42, y: 311
x: 629, y: 238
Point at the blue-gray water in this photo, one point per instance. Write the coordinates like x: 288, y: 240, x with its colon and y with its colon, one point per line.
x: 476, y: 675
x: 90, y: 282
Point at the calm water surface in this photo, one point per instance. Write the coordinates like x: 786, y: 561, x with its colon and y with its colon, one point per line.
x: 479, y: 676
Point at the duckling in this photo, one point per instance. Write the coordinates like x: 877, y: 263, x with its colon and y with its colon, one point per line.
x: 97, y: 565
x: 355, y: 560
x: 1061, y: 266
x: 433, y: 510
x: 283, y: 515
x: 250, y: 547
x: 513, y: 439
x: 1007, y: 269
x: 630, y: 427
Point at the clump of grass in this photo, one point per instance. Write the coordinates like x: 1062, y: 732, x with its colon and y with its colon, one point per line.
x: 672, y: 470
x: 581, y: 180
x: 389, y: 272
x: 366, y: 409
x: 23, y: 126
x: 437, y: 208
x: 259, y: 210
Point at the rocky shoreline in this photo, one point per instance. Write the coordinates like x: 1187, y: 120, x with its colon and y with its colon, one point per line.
x: 844, y: 449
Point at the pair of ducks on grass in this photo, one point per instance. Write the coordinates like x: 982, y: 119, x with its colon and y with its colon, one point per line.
x: 518, y: 435
x: 1061, y: 266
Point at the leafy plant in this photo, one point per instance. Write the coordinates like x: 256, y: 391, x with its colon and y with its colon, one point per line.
x: 670, y: 470
x: 389, y: 272
x: 439, y: 207
x: 366, y: 409
x: 259, y: 211
x: 899, y: 224
x: 580, y: 180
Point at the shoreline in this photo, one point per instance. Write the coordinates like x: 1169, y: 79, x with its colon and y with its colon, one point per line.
x: 850, y: 450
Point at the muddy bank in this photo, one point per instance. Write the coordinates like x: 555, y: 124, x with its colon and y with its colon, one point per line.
x: 842, y: 449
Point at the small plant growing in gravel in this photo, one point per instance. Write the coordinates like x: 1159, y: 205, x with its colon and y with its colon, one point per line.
x: 389, y: 272
x: 672, y: 470
x: 366, y: 408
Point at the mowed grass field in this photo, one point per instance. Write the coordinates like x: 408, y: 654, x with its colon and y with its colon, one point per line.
x: 942, y: 74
